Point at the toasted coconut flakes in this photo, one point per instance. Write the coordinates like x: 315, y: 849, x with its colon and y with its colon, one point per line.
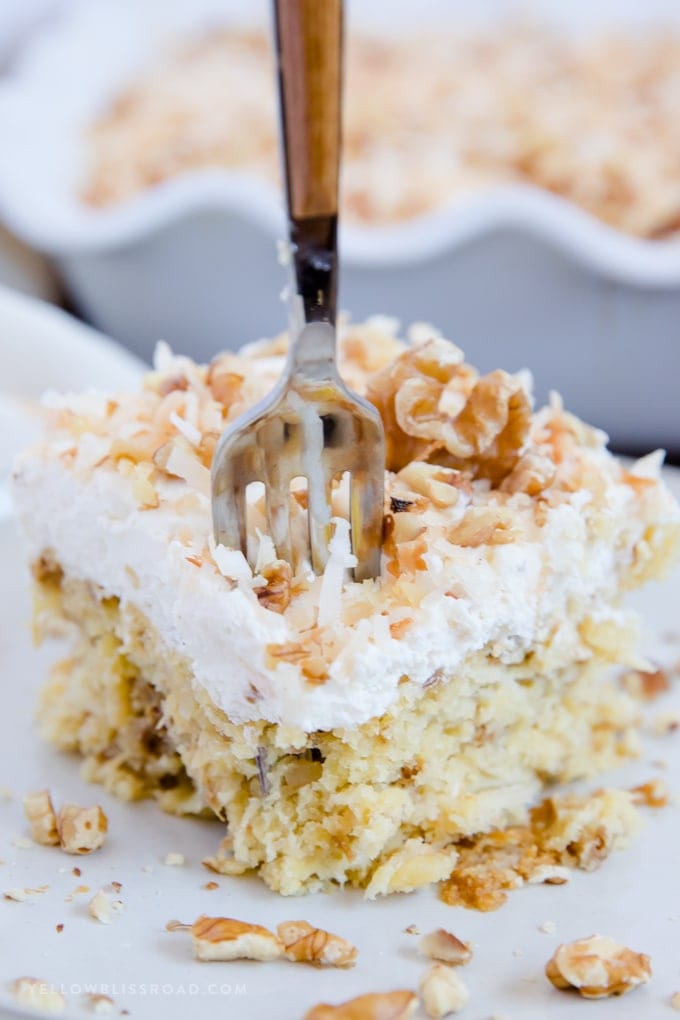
x: 189, y: 431
x: 675, y: 1001
x: 340, y: 560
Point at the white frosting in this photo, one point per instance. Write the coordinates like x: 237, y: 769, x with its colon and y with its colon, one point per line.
x: 503, y: 598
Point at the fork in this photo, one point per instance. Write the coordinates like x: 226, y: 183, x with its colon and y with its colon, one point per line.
x: 311, y: 424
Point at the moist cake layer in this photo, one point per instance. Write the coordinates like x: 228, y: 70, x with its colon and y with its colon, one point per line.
x: 381, y: 805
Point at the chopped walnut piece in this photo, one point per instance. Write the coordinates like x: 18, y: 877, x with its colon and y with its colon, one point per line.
x: 646, y: 686
x: 224, y: 938
x: 20, y: 895
x: 276, y: 592
x: 597, y: 967
x: 98, y: 1003
x: 433, y: 405
x: 103, y: 908
x: 41, y: 818
x: 534, y: 471
x: 224, y: 384
x: 399, y: 1005
x: 303, y: 943
x: 491, y: 525
x: 446, y: 947
x: 81, y: 830
x: 442, y: 990
x: 33, y: 993
x: 654, y: 794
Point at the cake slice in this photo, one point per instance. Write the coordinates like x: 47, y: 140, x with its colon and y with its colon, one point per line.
x: 345, y: 732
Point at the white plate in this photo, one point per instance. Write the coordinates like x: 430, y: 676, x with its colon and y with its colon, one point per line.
x: 635, y: 897
x: 43, y: 348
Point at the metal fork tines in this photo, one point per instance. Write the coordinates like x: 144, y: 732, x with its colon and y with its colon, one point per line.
x: 312, y: 426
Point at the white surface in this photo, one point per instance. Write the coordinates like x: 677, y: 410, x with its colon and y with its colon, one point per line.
x: 635, y: 897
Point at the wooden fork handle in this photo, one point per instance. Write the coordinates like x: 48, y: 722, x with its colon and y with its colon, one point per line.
x: 309, y: 40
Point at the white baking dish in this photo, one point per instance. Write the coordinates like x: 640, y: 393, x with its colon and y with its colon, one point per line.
x: 517, y: 276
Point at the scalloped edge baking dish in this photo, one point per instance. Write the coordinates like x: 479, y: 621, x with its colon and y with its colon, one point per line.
x: 498, y: 270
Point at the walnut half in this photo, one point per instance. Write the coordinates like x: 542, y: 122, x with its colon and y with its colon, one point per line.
x: 597, y: 967
x: 225, y: 938
x: 303, y: 943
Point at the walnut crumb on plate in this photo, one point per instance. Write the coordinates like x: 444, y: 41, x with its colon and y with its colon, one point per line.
x: 442, y: 990
x: 597, y: 967
x: 41, y: 818
x: 38, y: 995
x: 225, y: 938
x: 446, y: 947
x: 98, y: 1003
x: 399, y: 1005
x: 303, y: 943
x: 103, y: 907
x: 81, y: 830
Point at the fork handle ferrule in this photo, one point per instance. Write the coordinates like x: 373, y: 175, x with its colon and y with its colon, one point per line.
x: 309, y: 44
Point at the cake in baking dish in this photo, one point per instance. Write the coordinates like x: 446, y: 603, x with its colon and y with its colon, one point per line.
x: 346, y: 732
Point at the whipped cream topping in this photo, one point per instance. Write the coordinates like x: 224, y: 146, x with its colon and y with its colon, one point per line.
x: 474, y: 559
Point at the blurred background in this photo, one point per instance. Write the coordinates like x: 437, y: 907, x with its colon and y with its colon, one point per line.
x: 511, y: 175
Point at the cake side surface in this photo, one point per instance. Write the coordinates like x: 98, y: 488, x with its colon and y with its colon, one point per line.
x: 466, y: 755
